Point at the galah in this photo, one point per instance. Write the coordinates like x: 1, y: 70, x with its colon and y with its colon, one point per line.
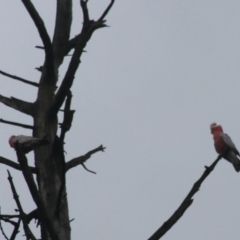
x: 224, y: 144
x: 27, y: 143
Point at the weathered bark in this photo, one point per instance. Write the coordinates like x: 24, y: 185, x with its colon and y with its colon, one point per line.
x: 62, y: 29
x: 22, y: 106
x: 50, y: 163
x: 49, y: 193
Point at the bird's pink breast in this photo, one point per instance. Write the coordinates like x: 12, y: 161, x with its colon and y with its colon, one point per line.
x: 219, y: 144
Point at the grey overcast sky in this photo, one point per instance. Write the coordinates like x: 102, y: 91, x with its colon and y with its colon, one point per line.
x: 147, y: 89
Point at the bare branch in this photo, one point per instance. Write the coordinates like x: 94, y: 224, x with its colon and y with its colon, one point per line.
x: 3, y: 233
x: 69, y: 221
x: 186, y: 202
x: 15, y: 231
x: 22, y: 106
x: 88, y: 169
x: 15, y: 165
x: 22, y: 214
x: 6, y: 218
x: 42, y: 32
x: 33, y: 215
x: 80, y: 160
x: 16, y: 124
x: 67, y: 80
x: 87, y: 30
x: 40, y: 69
x: 19, y: 79
x: 106, y: 11
x: 40, y: 47
x: 43, y: 214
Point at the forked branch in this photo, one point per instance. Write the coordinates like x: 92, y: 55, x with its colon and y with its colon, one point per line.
x: 100, y: 23
x: 89, y: 26
x: 185, y: 204
x: 16, y: 225
x: 80, y: 160
x: 16, y: 230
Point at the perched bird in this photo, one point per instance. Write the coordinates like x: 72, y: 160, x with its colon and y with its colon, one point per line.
x: 223, y: 143
x: 27, y: 143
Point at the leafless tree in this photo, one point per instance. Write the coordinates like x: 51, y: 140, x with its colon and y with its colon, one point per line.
x: 49, y: 190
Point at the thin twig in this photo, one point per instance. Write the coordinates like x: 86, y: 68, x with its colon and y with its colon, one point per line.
x: 19, y: 79
x: 107, y: 10
x: 40, y: 47
x: 88, y: 169
x: 26, y: 228
x: 2, y: 216
x: 68, y: 222
x: 16, y: 124
x: 7, y: 219
x: 1, y: 228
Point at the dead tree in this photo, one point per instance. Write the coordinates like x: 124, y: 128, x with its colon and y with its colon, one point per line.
x: 49, y: 190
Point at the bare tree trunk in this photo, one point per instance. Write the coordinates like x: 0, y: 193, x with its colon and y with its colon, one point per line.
x: 49, y: 193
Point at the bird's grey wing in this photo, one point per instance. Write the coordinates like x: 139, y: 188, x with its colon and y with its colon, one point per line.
x: 229, y: 142
x: 23, y: 139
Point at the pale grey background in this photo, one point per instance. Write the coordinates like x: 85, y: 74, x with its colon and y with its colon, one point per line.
x: 147, y: 89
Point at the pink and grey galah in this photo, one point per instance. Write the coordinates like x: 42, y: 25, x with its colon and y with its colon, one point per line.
x: 224, y: 144
x: 27, y: 143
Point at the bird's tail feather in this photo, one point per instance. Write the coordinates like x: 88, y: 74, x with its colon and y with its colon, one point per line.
x: 232, y: 157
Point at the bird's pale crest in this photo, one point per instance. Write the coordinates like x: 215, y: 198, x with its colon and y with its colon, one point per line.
x: 213, y: 125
